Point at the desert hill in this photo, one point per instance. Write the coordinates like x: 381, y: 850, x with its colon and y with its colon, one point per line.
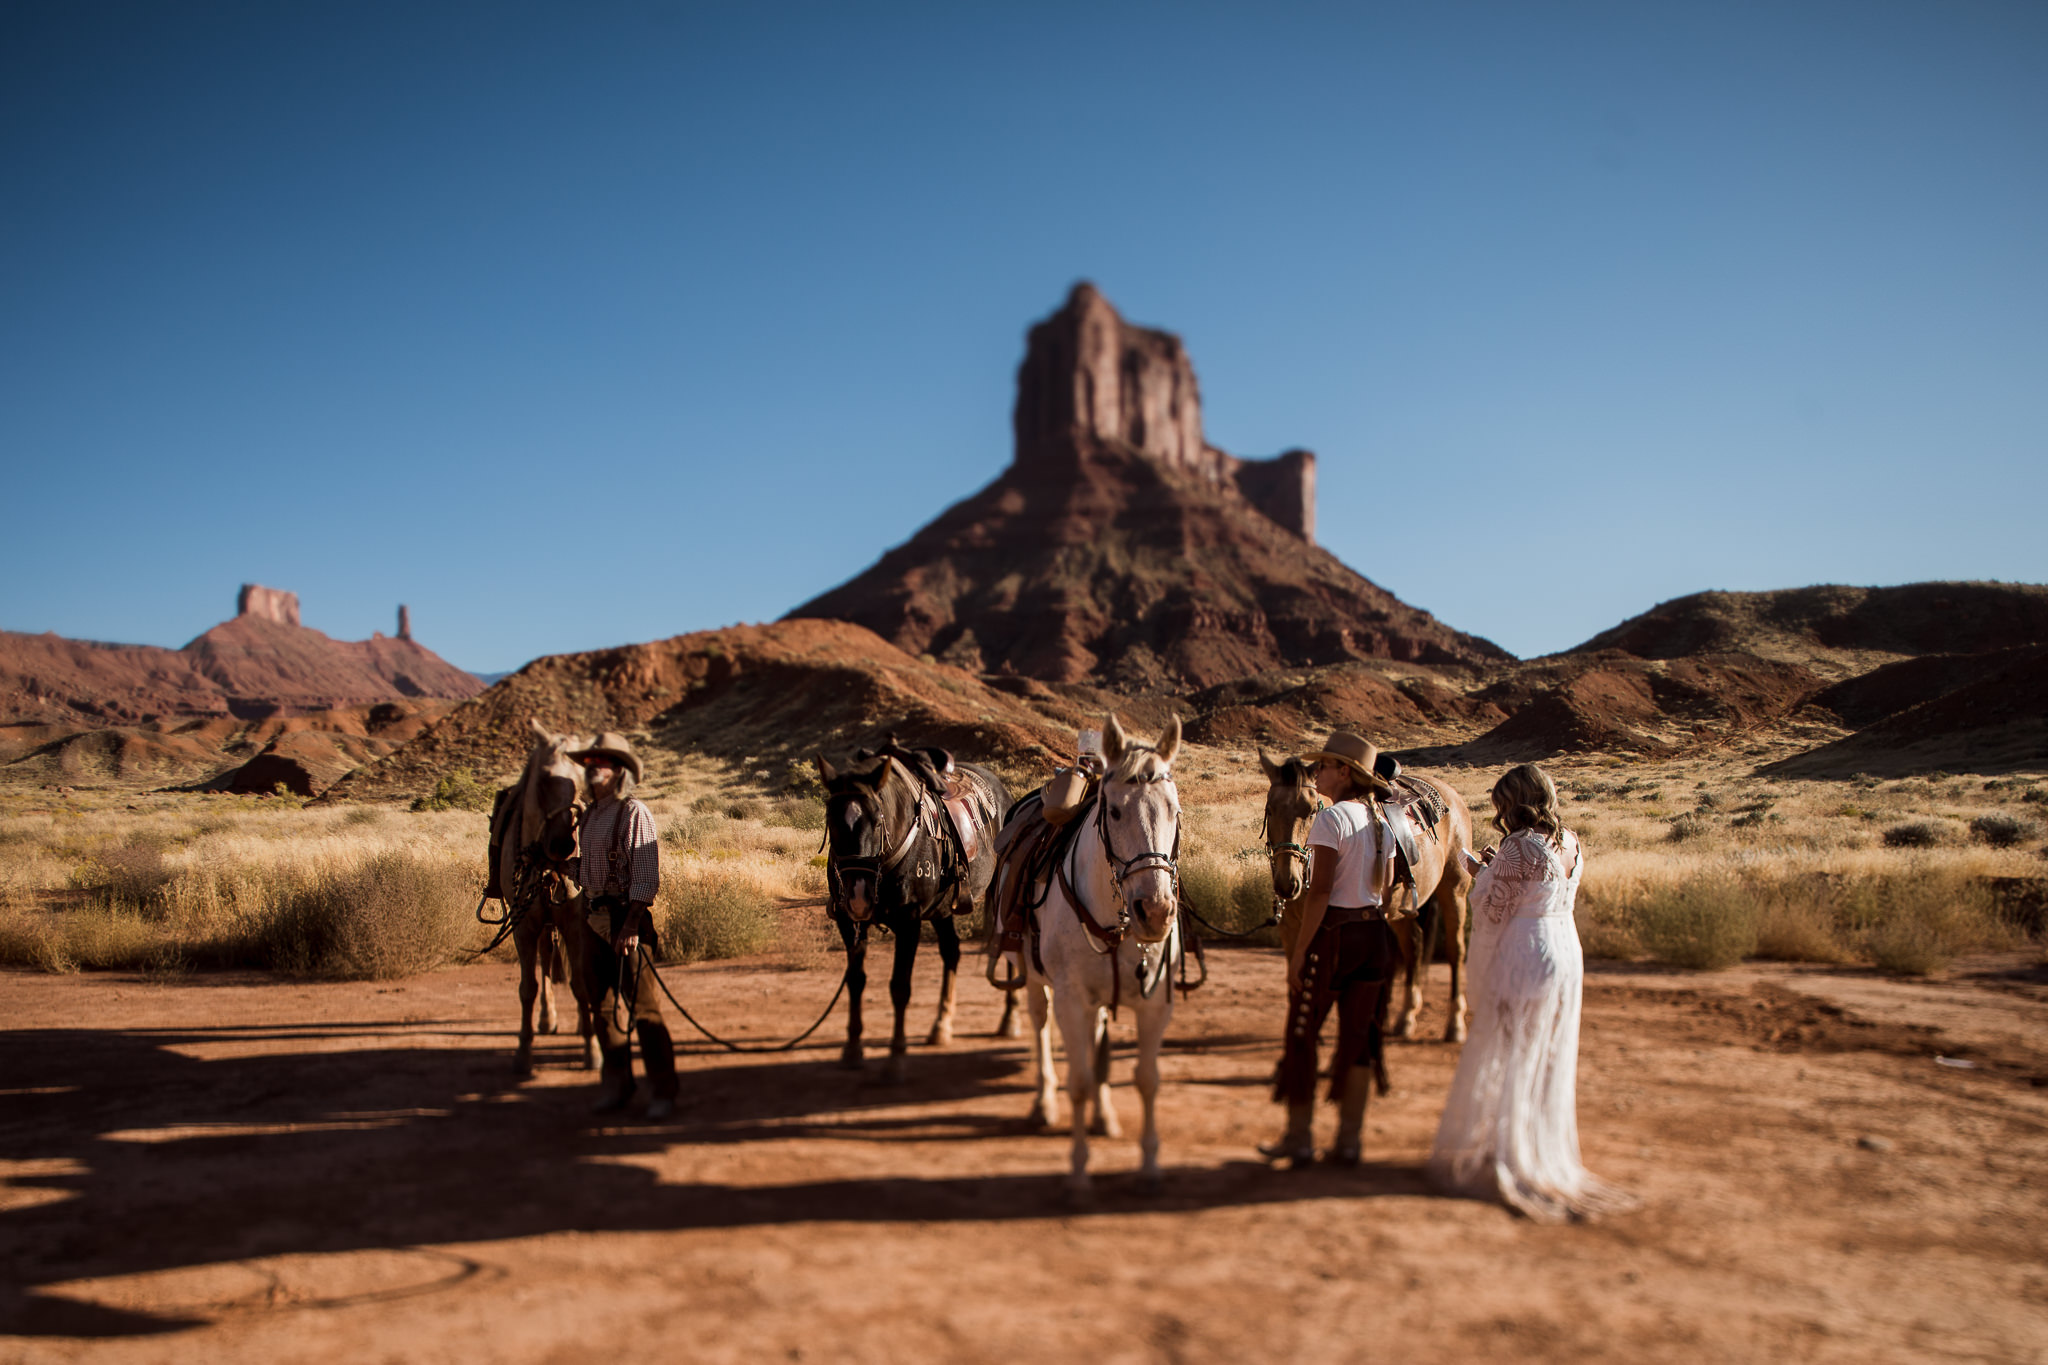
x: 1835, y: 630
x: 1813, y: 664
x: 303, y: 753
x: 263, y: 662
x: 257, y: 701
x: 768, y: 695
x: 1120, y: 548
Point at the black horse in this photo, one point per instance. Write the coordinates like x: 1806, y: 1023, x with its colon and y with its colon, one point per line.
x: 899, y: 857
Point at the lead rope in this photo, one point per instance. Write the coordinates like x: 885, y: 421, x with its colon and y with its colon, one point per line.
x: 729, y: 1045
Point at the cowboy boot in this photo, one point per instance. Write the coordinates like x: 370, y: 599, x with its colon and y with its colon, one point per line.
x: 1350, y: 1148
x: 615, y: 1084
x: 658, y: 1059
x: 1294, y: 1147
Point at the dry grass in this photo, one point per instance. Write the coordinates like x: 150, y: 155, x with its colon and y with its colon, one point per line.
x: 1693, y: 864
x: 190, y: 883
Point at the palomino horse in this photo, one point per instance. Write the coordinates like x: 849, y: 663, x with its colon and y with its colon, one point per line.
x: 1442, y: 880
x: 536, y: 835
x: 1108, y: 935
x: 894, y: 862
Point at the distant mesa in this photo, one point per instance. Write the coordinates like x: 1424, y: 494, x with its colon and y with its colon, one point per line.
x: 263, y: 662
x: 1120, y: 548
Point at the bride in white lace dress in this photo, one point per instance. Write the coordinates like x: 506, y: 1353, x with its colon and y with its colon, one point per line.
x: 1510, y: 1129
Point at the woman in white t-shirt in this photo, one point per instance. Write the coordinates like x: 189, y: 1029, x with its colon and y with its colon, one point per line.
x: 1345, y: 955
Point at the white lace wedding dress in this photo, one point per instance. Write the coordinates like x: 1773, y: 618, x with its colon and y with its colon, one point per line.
x: 1510, y: 1128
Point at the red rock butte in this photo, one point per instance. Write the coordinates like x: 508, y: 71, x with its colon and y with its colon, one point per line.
x: 1120, y: 547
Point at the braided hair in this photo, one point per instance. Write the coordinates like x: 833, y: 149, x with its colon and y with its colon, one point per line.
x: 1526, y: 798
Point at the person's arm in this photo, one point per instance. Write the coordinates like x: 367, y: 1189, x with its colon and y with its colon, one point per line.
x: 1322, y: 878
x: 1500, y: 886
x: 643, y: 876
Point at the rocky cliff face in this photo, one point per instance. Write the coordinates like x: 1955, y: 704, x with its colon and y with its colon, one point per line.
x: 1120, y: 547
x: 1092, y: 382
x: 270, y: 604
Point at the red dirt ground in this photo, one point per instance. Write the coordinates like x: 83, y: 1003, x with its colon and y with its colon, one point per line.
x: 238, y: 1169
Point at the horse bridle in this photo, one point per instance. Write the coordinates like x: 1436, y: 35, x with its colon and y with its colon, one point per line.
x: 1121, y: 869
x: 1287, y: 848
x: 872, y: 864
x: 534, y: 863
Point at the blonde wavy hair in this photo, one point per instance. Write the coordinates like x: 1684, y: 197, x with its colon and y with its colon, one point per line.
x: 1526, y: 798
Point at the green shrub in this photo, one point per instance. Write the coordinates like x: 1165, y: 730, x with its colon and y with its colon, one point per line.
x: 389, y: 915
x: 1688, y: 828
x: 707, y: 915
x: 1700, y: 924
x: 458, y: 790
x: 1235, y: 895
x: 797, y: 812
x: 1913, y: 834
x: 2002, y: 831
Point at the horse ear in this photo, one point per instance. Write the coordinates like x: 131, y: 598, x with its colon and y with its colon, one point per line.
x: 538, y: 728
x: 1113, y: 740
x: 1271, y: 769
x: 825, y: 768
x: 1169, y: 740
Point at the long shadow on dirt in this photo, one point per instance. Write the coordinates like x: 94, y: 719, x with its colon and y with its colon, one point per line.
x: 156, y: 1157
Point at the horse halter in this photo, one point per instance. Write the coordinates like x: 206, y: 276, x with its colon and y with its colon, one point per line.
x: 1121, y: 869
x: 871, y: 865
x: 1288, y: 848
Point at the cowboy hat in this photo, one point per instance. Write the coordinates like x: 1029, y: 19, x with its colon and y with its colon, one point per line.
x: 611, y: 744
x: 1355, y: 752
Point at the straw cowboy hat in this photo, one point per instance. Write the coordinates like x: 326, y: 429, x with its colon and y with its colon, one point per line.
x: 611, y: 744
x: 1356, y: 753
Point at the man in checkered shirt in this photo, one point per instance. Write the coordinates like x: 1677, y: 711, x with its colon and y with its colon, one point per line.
x: 620, y: 871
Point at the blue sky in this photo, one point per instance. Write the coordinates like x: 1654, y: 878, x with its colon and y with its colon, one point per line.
x: 579, y: 325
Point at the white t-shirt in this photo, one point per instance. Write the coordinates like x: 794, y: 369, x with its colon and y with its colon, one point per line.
x: 1348, y: 832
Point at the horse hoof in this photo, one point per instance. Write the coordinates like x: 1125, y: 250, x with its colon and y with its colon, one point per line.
x: 1151, y: 1184
x: 1012, y: 1028
x: 896, y: 1069
x: 1079, y: 1193
x: 1039, y: 1119
x: 849, y: 1059
x: 1455, y: 1033
x: 522, y: 1066
x: 939, y: 1038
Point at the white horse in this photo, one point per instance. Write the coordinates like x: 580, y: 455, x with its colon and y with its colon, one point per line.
x: 1106, y: 939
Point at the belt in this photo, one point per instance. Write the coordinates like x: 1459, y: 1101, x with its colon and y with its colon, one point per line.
x: 1352, y: 914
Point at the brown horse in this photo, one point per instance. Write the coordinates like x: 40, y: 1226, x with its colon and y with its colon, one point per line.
x: 1442, y: 879
x: 535, y: 828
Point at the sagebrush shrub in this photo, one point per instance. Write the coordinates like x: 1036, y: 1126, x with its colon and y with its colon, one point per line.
x: 705, y: 915
x: 2002, y: 831
x: 1700, y: 924
x: 1914, y: 834
x: 458, y: 790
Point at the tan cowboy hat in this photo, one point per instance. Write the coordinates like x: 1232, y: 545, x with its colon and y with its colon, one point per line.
x: 1355, y: 752
x: 611, y: 744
